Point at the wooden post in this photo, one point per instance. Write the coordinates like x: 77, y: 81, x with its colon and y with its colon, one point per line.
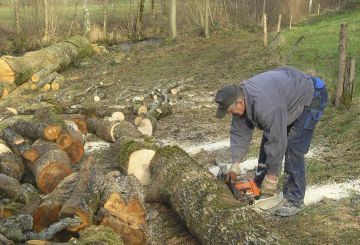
x: 310, y: 6
x: 206, y: 24
x: 265, y: 31
x: 291, y: 18
x: 342, y: 63
x: 348, y: 82
x: 263, y: 12
x: 319, y: 9
x: 279, y: 24
x: 173, y: 19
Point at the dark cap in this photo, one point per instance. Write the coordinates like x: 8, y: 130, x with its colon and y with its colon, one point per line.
x: 225, y: 97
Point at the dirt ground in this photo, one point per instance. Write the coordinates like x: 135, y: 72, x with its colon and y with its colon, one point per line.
x: 228, y: 57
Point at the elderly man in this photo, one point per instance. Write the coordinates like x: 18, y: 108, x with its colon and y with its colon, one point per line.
x: 286, y: 104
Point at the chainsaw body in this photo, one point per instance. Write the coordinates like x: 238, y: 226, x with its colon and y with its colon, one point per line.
x: 245, y: 190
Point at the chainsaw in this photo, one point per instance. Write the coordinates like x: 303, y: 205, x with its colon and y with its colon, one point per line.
x: 244, y: 189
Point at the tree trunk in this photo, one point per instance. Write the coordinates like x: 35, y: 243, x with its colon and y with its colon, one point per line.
x: 205, y: 204
x: 46, y: 21
x: 173, y: 19
x: 11, y: 165
x: 6, y: 88
x: 265, y: 31
x: 279, y: 24
x: 348, y: 82
x: 79, y: 120
x: 17, y: 16
x: 34, y: 130
x: 123, y: 207
x: 59, y: 55
x: 48, y: 211
x: 310, y: 6
x: 51, y: 167
x: 86, y: 18
x: 105, y: 17
x: 342, y: 63
x: 85, y: 199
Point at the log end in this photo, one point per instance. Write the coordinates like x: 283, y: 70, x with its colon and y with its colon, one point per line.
x: 31, y: 155
x: 51, y: 175
x: 64, y: 141
x: 45, y: 216
x: 6, y: 72
x: 52, y: 132
x: 138, y: 165
x: 75, y: 151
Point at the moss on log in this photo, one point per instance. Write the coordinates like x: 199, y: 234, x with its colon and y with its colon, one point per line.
x: 205, y: 205
x: 59, y: 56
x: 99, y: 235
x: 48, y: 211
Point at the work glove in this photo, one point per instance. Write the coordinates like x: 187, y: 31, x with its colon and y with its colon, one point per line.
x: 269, y: 186
x: 232, y: 173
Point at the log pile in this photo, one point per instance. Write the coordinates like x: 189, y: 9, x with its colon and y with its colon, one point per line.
x: 155, y: 194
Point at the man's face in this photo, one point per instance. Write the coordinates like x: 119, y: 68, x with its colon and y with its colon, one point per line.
x: 238, y: 108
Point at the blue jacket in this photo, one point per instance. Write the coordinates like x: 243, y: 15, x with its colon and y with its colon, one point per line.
x: 273, y: 100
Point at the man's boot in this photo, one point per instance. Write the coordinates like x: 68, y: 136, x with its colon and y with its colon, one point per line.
x: 289, y: 208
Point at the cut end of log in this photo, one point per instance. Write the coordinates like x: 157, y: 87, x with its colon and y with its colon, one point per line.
x: 35, y: 78
x: 118, y: 116
x: 64, y: 141
x: 6, y: 72
x: 51, y: 175
x: 142, y: 109
x: 71, y: 212
x: 47, y: 86
x: 45, y: 216
x: 138, y: 120
x: 145, y: 127
x: 139, y: 162
x: 52, y: 132
x: 5, y: 93
x: 75, y: 151
x: 31, y: 155
x: 4, y: 149
x: 33, y: 86
x: 55, y: 86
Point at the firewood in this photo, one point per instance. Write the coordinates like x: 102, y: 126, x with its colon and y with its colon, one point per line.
x: 78, y: 119
x: 92, y: 124
x: 5, y: 241
x: 58, y: 81
x: 48, y: 211
x: 7, y: 112
x: 146, y: 126
x: 105, y: 129
x: 85, y: 199
x: 123, y: 200
x: 19, y: 144
x: 164, y: 227
x: 11, y: 165
x: 35, y: 78
x: 71, y: 140
x: 45, y: 82
x: 205, y: 204
x: 14, y: 228
x: 35, y: 130
x: 51, y: 167
x: 6, y: 88
x: 11, y: 188
x: 20, y: 69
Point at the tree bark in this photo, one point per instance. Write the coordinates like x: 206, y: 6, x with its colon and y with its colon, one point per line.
x: 123, y: 207
x: 34, y: 130
x: 17, y: 16
x: 59, y: 55
x: 51, y: 167
x: 11, y: 165
x: 342, y: 63
x: 15, y: 227
x: 86, y: 18
x: 48, y: 211
x: 85, y: 199
x: 71, y: 140
x: 79, y: 120
x: 348, y: 82
x: 205, y: 205
x: 5, y: 241
x: 11, y: 188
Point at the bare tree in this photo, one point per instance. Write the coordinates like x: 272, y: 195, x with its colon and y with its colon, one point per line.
x: 86, y: 17
x: 17, y: 16
x: 310, y: 6
x: 46, y: 21
x: 173, y: 19
x: 105, y: 16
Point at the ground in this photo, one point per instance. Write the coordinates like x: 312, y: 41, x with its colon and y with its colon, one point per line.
x: 229, y: 56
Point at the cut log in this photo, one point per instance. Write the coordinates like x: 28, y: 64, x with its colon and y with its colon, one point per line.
x: 123, y: 200
x: 48, y: 211
x: 205, y: 204
x: 59, y: 55
x: 105, y: 129
x: 45, y: 81
x: 35, y: 130
x: 146, y: 126
x: 11, y: 188
x: 165, y: 228
x: 11, y: 165
x: 36, y: 77
x: 72, y: 141
x: 19, y: 144
x: 78, y: 119
x: 92, y: 123
x: 85, y: 199
x: 51, y: 167
x: 6, y: 88
x: 7, y: 112
x: 15, y: 227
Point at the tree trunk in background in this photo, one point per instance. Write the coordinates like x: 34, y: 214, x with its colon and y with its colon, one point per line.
x: 206, y: 24
x: 342, y: 63
x: 153, y: 11
x: 265, y: 31
x: 173, y: 19
x: 279, y: 24
x: 17, y: 16
x: 86, y: 18
x: 46, y: 21
x: 105, y: 17
x: 290, y: 25
x: 310, y: 6
x: 318, y: 11
x: 263, y: 12
x: 348, y: 82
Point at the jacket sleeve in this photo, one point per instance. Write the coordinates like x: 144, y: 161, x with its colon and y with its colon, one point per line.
x: 240, y: 137
x: 276, y: 133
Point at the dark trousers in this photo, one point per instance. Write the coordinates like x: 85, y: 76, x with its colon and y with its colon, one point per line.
x: 300, y: 134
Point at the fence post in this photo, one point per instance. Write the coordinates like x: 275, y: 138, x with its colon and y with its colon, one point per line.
x: 342, y: 63
x: 279, y: 24
x: 348, y: 82
x: 265, y: 31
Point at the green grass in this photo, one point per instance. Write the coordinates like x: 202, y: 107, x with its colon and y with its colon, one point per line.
x: 7, y: 16
x: 318, y: 51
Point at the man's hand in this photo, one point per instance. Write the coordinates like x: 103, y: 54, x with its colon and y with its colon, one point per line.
x: 233, y: 172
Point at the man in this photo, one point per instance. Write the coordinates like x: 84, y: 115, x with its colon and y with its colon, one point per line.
x: 286, y: 104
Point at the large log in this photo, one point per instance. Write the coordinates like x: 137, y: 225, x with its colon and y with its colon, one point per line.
x: 85, y: 199
x: 164, y: 227
x: 205, y: 205
x: 11, y: 165
x: 19, y: 144
x: 48, y: 211
x: 51, y: 167
x: 58, y: 56
x: 11, y: 188
x: 35, y: 130
x: 124, y: 211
